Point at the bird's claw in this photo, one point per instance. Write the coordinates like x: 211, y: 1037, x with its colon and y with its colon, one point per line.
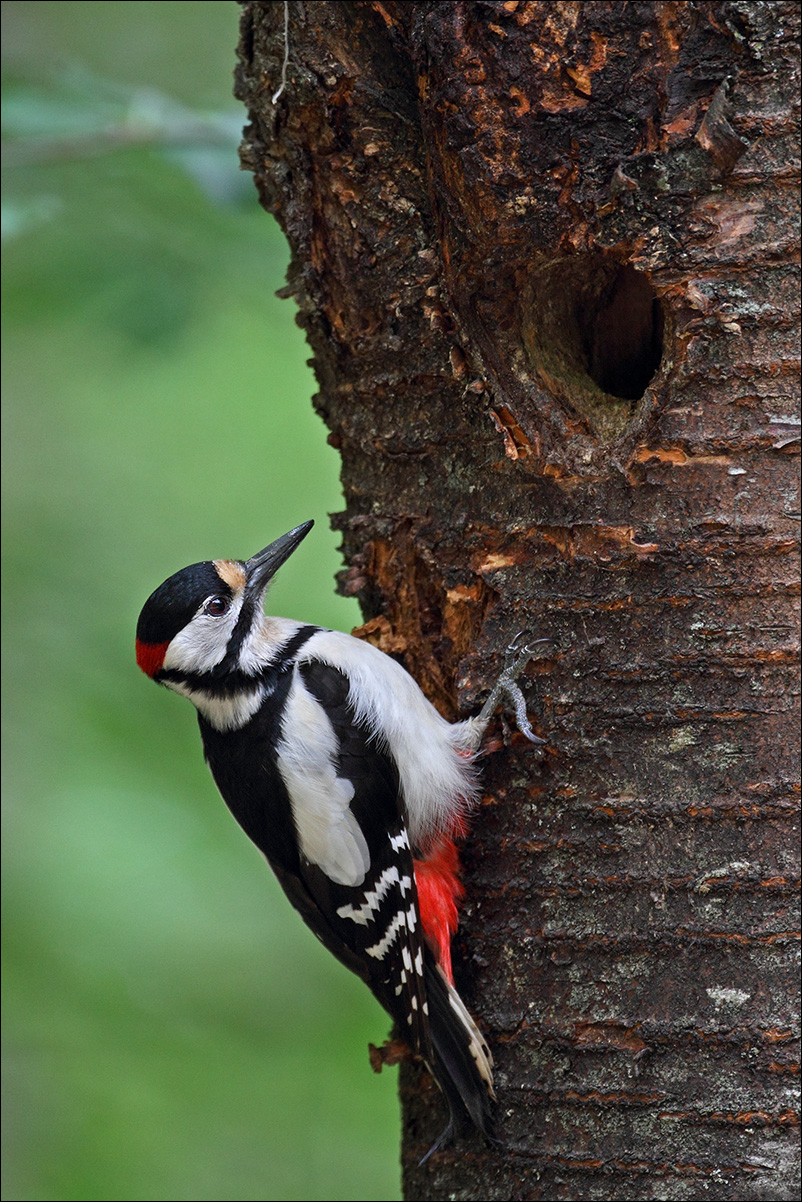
x: 517, y: 656
x: 515, y: 695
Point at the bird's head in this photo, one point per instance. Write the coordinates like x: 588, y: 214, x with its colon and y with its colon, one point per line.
x: 205, y: 621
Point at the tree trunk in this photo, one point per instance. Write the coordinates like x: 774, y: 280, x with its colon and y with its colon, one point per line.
x: 544, y: 254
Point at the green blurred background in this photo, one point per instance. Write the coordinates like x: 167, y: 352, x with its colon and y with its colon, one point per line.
x: 172, y: 1030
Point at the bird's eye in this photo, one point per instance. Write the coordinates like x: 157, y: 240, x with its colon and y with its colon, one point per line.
x: 216, y: 606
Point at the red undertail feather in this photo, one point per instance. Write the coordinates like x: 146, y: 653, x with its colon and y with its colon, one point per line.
x: 439, y: 894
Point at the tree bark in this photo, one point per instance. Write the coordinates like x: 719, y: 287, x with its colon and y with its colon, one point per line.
x: 544, y: 255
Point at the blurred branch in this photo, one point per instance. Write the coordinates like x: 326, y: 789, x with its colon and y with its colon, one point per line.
x: 81, y: 116
x: 150, y: 118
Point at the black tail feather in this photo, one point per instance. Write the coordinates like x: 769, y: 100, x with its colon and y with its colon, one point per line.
x: 462, y: 1061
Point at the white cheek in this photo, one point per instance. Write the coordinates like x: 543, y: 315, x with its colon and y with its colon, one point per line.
x: 202, y: 644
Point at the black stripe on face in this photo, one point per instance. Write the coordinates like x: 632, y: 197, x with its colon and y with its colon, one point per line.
x: 226, y: 679
x: 291, y: 649
x: 244, y: 625
x: 239, y: 634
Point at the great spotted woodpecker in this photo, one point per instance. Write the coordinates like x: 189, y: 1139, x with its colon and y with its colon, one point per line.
x: 348, y: 781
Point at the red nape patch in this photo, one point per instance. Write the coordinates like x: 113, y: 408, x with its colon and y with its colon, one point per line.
x: 150, y: 656
x: 439, y: 893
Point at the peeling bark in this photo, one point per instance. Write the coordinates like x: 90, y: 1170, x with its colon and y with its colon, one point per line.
x: 545, y: 255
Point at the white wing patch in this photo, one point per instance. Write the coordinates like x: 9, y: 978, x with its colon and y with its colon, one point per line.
x: 328, y: 832
x: 433, y: 756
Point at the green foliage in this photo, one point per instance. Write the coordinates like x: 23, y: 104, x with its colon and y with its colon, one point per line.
x: 172, y: 1029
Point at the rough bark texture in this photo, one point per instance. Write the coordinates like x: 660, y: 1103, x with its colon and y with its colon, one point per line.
x: 544, y: 254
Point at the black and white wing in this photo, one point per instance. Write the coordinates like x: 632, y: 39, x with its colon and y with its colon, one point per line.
x: 355, y: 857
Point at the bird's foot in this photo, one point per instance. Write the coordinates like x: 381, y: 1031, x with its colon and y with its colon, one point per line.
x: 518, y: 654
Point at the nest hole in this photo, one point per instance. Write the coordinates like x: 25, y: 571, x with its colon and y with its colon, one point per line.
x: 593, y: 332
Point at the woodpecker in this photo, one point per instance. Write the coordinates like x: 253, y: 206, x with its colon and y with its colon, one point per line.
x: 351, y: 785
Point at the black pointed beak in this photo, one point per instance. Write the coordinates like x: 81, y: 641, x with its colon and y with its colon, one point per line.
x: 261, y: 568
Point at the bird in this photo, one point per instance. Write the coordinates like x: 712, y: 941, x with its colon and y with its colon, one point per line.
x: 350, y: 783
